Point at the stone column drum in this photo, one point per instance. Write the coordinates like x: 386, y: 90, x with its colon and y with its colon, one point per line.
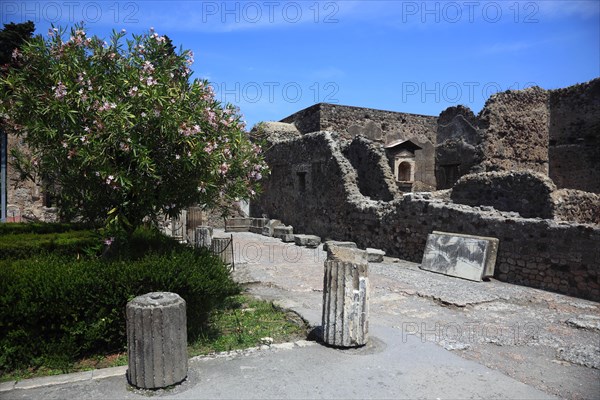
x: 156, y: 340
x: 223, y: 248
x: 204, y: 236
x: 345, y: 297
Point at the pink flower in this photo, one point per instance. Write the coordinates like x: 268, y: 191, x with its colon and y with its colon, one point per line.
x: 148, y: 67
x: 107, y: 106
x: 60, y: 90
x: 223, y: 168
x: 209, y: 148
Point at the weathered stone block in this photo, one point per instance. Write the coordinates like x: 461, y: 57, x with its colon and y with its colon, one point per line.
x: 238, y: 224
x: 375, y: 255
x: 310, y: 241
x: 345, y: 297
x: 270, y: 226
x: 156, y: 340
x: 462, y: 256
x: 223, y: 248
x: 257, y: 224
x: 204, y: 236
x: 283, y: 232
x: 492, y: 253
x: 338, y: 244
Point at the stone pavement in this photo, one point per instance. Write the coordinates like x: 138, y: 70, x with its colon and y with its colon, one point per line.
x: 432, y: 336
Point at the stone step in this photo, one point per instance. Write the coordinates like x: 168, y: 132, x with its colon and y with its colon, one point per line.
x: 310, y: 241
x: 375, y: 255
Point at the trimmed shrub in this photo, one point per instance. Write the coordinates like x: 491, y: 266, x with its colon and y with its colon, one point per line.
x: 38, y: 227
x: 54, y: 309
x: 24, y: 245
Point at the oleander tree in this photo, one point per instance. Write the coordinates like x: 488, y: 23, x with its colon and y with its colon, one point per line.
x: 120, y: 132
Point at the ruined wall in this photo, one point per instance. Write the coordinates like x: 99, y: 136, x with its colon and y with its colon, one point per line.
x: 576, y: 205
x: 307, y: 120
x: 554, y: 132
x: 563, y: 257
x: 377, y: 125
x: 306, y: 183
x: 458, y: 149
x: 25, y: 199
x: 374, y: 176
x: 516, y: 136
x: 574, y: 149
x: 527, y: 193
x: 273, y: 132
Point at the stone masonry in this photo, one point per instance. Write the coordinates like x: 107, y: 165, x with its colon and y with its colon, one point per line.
x: 543, y: 253
x: 553, y: 132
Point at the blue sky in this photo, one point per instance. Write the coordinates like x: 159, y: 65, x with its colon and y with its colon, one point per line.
x: 273, y: 58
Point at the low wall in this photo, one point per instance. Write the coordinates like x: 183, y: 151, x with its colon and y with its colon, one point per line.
x: 528, y: 193
x: 576, y: 205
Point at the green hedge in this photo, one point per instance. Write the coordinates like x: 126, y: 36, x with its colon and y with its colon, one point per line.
x: 38, y: 227
x: 24, y: 245
x: 54, y: 309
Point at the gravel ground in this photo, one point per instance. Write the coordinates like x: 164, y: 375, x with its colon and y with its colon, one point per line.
x: 543, y: 339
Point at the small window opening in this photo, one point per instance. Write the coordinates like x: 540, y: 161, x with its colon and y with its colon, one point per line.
x: 404, y: 172
x: 302, y: 181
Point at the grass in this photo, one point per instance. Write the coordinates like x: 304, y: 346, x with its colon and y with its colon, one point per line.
x: 241, y: 322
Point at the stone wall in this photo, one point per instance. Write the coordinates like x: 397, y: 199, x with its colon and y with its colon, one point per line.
x: 515, y: 125
x: 458, y: 149
x: 377, y: 125
x: 574, y: 148
x: 563, y: 257
x: 527, y: 193
x: 576, y: 205
x: 554, y: 132
x: 375, y: 178
x: 25, y: 199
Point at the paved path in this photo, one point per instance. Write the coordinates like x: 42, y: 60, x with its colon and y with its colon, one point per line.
x: 432, y: 337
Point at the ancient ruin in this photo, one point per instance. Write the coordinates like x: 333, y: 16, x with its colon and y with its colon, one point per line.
x: 525, y: 170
